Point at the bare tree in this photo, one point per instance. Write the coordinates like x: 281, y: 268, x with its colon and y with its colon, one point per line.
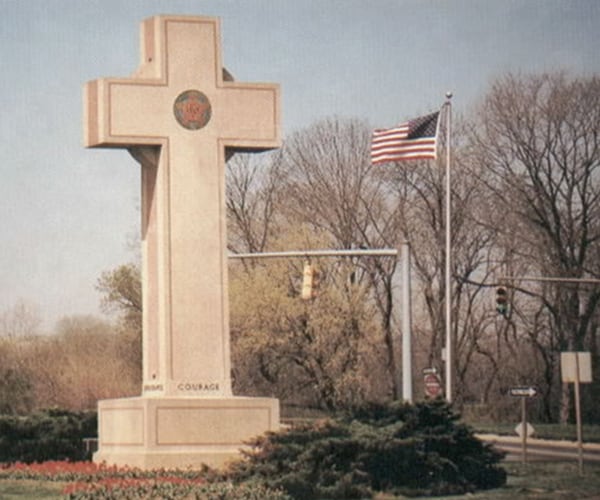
x: 83, y: 361
x: 330, y: 191
x: 252, y: 195
x: 21, y: 320
x: 334, y: 190
x: 539, y: 138
x: 317, y: 192
x: 419, y: 191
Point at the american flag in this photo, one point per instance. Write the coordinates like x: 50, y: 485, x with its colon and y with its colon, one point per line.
x: 413, y: 140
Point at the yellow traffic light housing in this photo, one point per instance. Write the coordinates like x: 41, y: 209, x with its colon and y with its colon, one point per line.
x: 310, y: 282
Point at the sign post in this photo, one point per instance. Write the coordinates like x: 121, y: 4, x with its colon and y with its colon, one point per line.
x: 524, y: 393
x: 576, y: 367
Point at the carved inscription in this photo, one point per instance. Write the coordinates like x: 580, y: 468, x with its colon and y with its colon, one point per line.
x: 198, y: 386
x: 153, y: 387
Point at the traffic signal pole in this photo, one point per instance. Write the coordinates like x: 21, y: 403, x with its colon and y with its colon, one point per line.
x: 377, y: 252
x: 591, y: 281
x: 407, y: 382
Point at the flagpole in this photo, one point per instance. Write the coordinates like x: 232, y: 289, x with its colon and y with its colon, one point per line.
x: 449, y: 343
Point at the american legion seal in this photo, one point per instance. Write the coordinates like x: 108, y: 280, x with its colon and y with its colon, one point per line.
x: 192, y: 109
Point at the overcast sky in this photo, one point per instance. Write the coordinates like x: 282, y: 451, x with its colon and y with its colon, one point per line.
x: 67, y: 213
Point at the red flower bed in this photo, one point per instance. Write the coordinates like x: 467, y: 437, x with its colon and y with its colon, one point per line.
x: 54, y: 468
x: 90, y: 481
x: 88, y: 476
x: 111, y: 483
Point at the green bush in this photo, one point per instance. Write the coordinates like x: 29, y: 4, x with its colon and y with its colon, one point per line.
x: 47, y: 435
x: 395, y: 448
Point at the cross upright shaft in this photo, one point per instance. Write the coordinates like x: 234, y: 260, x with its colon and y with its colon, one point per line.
x: 177, y: 116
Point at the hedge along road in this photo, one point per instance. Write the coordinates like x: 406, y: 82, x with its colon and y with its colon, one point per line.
x: 542, y: 449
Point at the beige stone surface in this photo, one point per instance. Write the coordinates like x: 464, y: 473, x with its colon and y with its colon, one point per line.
x: 186, y: 331
x: 180, y: 119
x: 180, y: 432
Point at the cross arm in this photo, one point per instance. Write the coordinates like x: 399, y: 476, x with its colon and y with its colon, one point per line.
x: 112, y: 115
x: 250, y: 119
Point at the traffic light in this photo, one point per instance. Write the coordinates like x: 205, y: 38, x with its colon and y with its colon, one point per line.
x: 501, y: 300
x: 308, y: 282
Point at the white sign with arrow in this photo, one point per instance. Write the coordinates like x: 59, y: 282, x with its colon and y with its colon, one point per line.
x: 523, y: 392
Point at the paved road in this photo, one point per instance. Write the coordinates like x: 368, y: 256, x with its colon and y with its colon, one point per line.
x: 542, y: 449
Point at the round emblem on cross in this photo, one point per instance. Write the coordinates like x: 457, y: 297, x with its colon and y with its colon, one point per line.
x: 192, y: 109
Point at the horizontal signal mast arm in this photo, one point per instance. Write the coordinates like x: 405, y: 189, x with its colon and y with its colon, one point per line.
x: 550, y: 279
x: 381, y: 252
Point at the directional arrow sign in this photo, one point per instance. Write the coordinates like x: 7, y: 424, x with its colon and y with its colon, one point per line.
x: 523, y: 392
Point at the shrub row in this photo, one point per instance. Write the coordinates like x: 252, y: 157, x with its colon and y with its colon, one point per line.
x: 46, y: 435
x: 396, y: 448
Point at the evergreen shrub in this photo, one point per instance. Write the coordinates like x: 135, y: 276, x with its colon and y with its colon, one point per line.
x: 394, y: 448
x: 46, y: 435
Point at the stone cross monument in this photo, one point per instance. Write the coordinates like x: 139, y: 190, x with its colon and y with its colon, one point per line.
x: 180, y: 116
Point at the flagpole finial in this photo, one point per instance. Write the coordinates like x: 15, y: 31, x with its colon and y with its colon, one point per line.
x: 448, y: 95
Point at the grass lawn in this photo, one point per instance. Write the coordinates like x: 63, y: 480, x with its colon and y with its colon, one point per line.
x: 548, y: 481
x: 542, y: 481
x: 555, y: 480
x: 30, y: 489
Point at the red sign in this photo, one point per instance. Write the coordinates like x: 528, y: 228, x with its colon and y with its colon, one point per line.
x: 433, y: 386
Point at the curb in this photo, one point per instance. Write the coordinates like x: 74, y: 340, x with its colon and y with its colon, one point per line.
x: 494, y: 438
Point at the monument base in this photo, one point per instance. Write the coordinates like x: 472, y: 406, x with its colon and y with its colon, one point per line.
x: 174, y: 432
